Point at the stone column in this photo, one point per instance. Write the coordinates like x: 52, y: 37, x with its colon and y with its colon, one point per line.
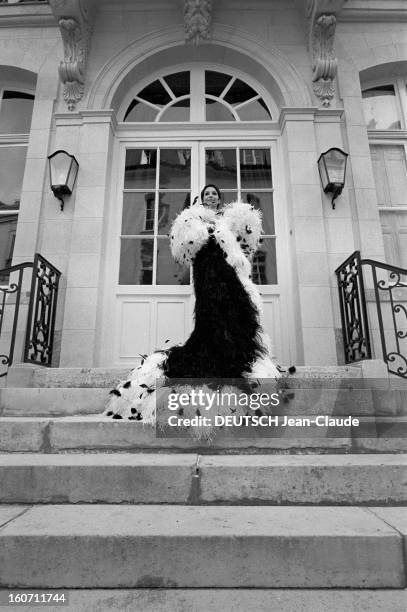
x: 313, y: 311
x: 83, y: 279
x: 29, y: 229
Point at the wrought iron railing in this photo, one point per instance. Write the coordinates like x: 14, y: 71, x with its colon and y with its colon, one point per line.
x: 40, y: 325
x: 367, y: 282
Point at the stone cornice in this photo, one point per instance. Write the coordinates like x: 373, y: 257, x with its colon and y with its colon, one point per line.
x: 75, y: 20
x: 26, y: 15
x: 289, y: 113
x: 86, y: 116
x: 374, y: 10
x: 310, y: 113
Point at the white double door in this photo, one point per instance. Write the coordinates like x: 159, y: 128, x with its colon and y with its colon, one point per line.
x: 150, y: 297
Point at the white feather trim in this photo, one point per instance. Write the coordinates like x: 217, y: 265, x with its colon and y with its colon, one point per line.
x: 244, y: 222
x: 189, y: 233
x: 138, y: 392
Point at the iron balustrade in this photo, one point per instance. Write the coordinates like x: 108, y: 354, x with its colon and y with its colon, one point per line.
x: 387, y: 285
x: 40, y: 326
x: 13, y: 288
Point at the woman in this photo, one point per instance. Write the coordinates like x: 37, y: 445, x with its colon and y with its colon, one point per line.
x: 228, y: 340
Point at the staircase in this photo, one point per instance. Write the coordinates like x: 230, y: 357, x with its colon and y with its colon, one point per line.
x: 122, y: 520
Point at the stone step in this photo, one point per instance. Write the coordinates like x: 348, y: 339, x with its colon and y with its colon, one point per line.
x: 70, y: 401
x: 229, y: 600
x: 193, y: 479
x: 31, y: 376
x: 116, y: 546
x: 33, y: 402
x: 94, y: 433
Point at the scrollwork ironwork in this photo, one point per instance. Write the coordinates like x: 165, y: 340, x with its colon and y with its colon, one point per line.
x: 391, y: 309
x: 353, y: 313
x: 41, y: 317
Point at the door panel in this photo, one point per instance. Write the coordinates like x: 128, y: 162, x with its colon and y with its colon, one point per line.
x: 154, y: 299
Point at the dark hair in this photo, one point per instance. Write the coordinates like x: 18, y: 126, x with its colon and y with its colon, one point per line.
x: 215, y: 187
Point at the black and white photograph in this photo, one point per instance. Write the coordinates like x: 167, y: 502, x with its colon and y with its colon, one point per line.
x: 203, y: 305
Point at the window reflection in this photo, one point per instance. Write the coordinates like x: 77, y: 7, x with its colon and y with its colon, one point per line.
x: 136, y: 261
x: 264, y: 203
x: 16, y: 109
x: 168, y: 272
x: 380, y: 108
x: 140, y: 169
x: 138, y: 213
x: 255, y: 168
x: 264, y: 267
x: 221, y: 168
x: 175, y: 168
x: 170, y: 205
x: 8, y: 226
x: 12, y: 164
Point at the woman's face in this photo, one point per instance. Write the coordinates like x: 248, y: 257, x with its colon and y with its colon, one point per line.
x: 211, y: 198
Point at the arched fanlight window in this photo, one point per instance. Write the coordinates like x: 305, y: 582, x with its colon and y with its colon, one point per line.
x: 215, y: 96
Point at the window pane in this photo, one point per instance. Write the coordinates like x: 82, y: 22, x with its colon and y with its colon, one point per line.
x: 12, y: 163
x: 264, y: 203
x: 380, y: 108
x: 229, y: 196
x: 221, y: 168
x: 254, y: 111
x: 390, y: 173
x: 138, y: 213
x: 140, y: 169
x: 264, y: 268
x: 216, y: 111
x: 16, y: 112
x: 138, y: 111
x: 215, y: 82
x: 155, y: 93
x: 255, y: 168
x: 239, y: 92
x: 178, y: 83
x: 168, y: 272
x: 8, y: 225
x: 136, y: 261
x: 177, y: 112
x: 175, y: 168
x: 171, y: 204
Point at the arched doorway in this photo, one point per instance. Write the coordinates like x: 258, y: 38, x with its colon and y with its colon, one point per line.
x: 180, y: 128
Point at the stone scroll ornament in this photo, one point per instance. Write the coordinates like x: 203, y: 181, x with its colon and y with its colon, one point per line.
x: 75, y: 19
x: 72, y: 68
x: 197, y: 20
x: 324, y: 61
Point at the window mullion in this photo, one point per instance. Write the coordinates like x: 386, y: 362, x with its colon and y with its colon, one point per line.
x: 156, y: 201
x: 401, y: 91
x: 239, y: 184
x: 197, y: 85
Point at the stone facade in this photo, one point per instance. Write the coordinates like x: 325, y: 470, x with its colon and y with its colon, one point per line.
x: 311, y: 57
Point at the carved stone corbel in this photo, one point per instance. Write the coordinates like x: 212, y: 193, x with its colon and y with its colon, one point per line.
x: 321, y: 16
x: 75, y: 19
x: 197, y: 20
x: 325, y: 64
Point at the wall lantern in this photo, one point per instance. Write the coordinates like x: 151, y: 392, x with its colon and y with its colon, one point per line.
x: 63, y: 170
x: 332, y: 169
